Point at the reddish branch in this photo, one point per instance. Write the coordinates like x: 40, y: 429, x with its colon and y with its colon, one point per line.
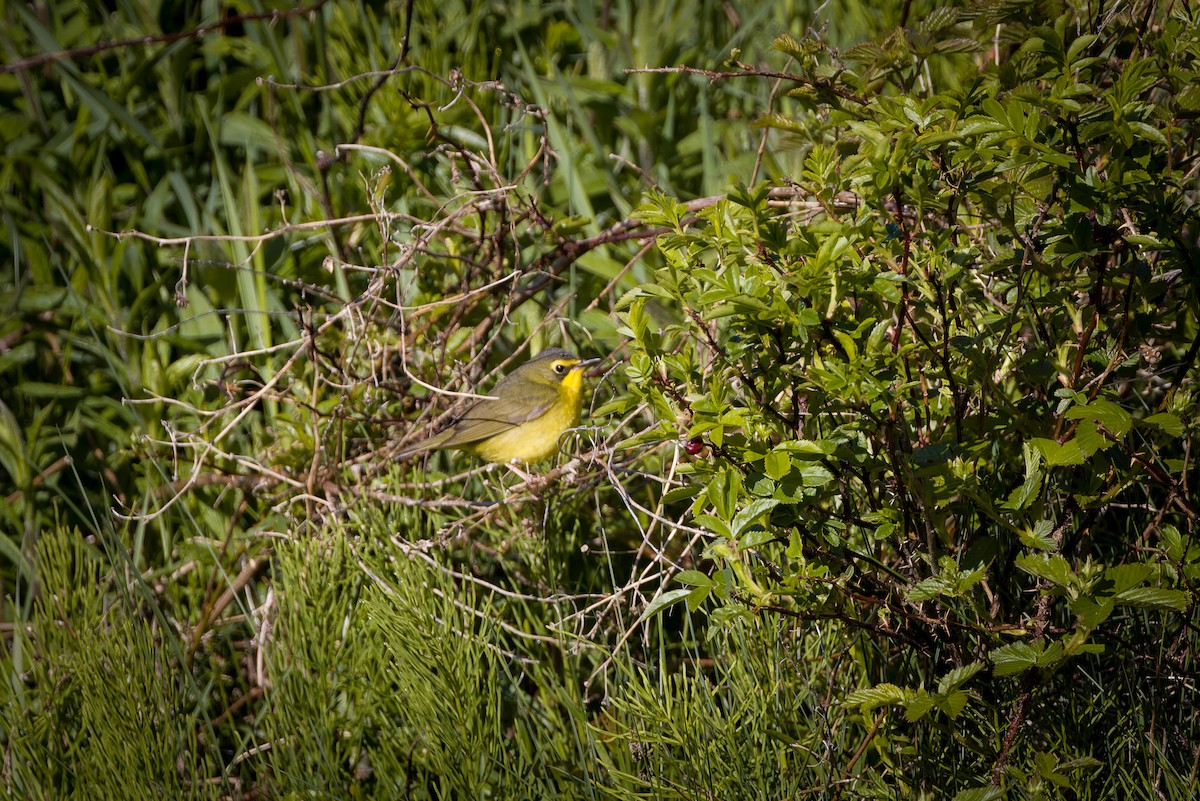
x: 1032, y: 679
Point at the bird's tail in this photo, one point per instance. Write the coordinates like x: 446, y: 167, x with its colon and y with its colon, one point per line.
x: 428, y: 444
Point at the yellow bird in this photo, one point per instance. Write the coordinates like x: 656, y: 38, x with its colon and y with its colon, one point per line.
x: 533, y: 406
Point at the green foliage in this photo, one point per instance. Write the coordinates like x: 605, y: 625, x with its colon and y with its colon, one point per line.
x: 946, y: 400
x: 885, y: 490
x: 102, y: 707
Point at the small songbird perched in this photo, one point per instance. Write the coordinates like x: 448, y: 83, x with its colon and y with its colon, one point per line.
x: 532, y: 407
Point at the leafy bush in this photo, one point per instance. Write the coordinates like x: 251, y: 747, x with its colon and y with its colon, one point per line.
x: 944, y: 383
x: 883, y: 492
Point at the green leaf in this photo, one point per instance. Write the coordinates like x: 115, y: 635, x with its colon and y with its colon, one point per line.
x: 1169, y: 423
x: 958, y: 677
x: 815, y: 447
x: 954, y: 703
x: 12, y: 450
x: 919, y: 707
x: 685, y: 493
x: 1147, y: 243
x: 1177, y: 547
x: 1120, y: 578
x: 669, y: 598
x: 1091, y: 612
x: 986, y: 793
x: 751, y: 513
x: 694, y: 578
x: 880, y: 695
x: 1056, y: 455
x: 244, y: 130
x: 1110, y: 415
x: 1039, y: 536
x: 777, y: 464
x: 1155, y: 598
x: 1015, y: 658
x: 1148, y: 132
x: 1051, y: 567
x: 697, y: 597
x: 1051, y: 656
x: 815, y: 475
x: 928, y: 589
x: 1025, y: 494
x: 785, y: 43
x: 1089, y: 438
x: 42, y: 390
x: 714, y: 524
x: 755, y: 537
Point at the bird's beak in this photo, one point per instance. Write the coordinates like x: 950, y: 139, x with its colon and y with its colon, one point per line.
x: 588, y: 363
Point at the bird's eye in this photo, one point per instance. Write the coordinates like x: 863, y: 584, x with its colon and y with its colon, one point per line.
x: 560, y: 368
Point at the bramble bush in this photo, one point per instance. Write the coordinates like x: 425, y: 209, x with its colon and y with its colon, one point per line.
x: 952, y: 406
x: 885, y: 489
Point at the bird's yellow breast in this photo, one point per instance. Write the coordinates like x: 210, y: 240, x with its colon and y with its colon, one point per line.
x: 537, y: 439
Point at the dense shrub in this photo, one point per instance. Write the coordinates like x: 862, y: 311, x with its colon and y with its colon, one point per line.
x: 885, y: 487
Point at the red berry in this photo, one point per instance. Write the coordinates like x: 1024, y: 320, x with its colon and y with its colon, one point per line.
x: 694, y: 446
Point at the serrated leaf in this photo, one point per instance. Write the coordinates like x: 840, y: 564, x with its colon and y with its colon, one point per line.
x: 785, y: 43
x: 1146, y: 242
x: 1078, y: 45
x: 1023, y: 495
x: 880, y: 695
x: 978, y: 126
x: 1155, y: 598
x: 957, y: 44
x: 1056, y: 455
x: 939, y: 18
x: 1172, y: 540
x: 1110, y: 415
x: 1012, y: 659
x: 1091, y: 612
x: 958, y: 677
x: 782, y: 122
x: 993, y: 109
x: 815, y: 475
x: 684, y: 493
x: 755, y: 537
x: 1120, y: 578
x: 918, y: 708
x: 1051, y: 656
x: 1168, y: 422
x: 714, y: 524
x: 816, y: 447
x: 777, y: 464
x: 1147, y: 132
x: 954, y: 703
x: 1051, y: 567
x: 865, y: 52
x: 928, y: 589
x: 1089, y: 438
x: 1039, y: 536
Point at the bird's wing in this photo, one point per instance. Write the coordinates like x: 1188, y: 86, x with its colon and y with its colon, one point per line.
x: 489, y: 418
x: 540, y: 398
